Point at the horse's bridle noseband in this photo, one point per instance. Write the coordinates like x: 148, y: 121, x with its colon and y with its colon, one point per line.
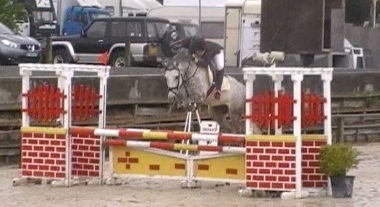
x: 184, y: 78
x: 174, y: 89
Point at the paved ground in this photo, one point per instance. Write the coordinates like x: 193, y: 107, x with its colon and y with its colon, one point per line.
x: 151, y: 192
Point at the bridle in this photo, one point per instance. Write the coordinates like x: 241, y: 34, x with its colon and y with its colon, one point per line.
x: 175, y: 88
x: 184, y: 77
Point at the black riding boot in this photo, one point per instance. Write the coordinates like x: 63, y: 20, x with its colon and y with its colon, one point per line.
x: 219, y: 79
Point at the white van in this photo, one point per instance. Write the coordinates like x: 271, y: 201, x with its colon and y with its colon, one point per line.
x: 125, y: 8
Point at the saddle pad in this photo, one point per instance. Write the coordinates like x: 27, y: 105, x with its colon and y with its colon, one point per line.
x: 225, y: 84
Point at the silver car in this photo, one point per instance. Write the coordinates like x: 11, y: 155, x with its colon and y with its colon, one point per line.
x: 15, y: 48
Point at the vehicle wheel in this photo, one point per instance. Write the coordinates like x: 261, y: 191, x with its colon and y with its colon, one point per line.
x: 118, y: 60
x: 61, y: 56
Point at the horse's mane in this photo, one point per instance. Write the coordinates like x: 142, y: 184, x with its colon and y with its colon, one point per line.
x: 182, y: 56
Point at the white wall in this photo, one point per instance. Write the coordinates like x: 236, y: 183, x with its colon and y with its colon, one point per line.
x: 215, y: 3
x: 194, y: 2
x: 130, y: 5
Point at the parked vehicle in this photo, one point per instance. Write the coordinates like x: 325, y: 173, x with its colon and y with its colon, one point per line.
x: 185, y: 29
x: 15, y: 48
x: 108, y: 35
x: 76, y: 15
x: 125, y: 8
x: 40, y: 19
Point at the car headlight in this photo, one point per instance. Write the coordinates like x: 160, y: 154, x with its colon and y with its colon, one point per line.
x: 9, y: 43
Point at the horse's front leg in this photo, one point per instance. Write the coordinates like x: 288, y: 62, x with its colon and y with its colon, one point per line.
x: 219, y: 115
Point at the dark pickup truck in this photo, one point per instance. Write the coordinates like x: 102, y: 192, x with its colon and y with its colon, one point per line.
x: 108, y: 36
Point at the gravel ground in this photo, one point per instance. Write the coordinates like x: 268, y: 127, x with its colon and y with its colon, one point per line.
x: 154, y: 192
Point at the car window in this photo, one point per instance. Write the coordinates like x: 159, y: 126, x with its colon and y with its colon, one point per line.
x: 43, y: 16
x: 151, y: 31
x: 162, y: 27
x: 97, y: 29
x: 134, y: 29
x: 191, y: 30
x: 156, y: 30
x: 118, y: 29
x: 95, y: 15
x: 175, y: 27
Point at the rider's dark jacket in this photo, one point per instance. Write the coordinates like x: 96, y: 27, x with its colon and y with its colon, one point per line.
x: 211, y: 49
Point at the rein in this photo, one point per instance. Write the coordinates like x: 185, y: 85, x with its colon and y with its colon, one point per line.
x: 184, y: 78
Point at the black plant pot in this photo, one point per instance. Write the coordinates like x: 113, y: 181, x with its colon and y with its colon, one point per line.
x: 342, y: 186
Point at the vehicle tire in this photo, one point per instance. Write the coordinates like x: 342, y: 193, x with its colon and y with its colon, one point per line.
x: 117, y: 59
x: 61, y: 56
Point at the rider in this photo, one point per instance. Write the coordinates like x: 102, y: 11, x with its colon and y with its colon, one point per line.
x: 207, y: 53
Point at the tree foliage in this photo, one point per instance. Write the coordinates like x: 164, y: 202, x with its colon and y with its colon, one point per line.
x: 10, y: 12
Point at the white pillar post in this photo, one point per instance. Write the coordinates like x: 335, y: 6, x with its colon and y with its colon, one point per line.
x: 277, y: 87
x: 24, y: 99
x: 297, y: 80
x: 67, y: 75
x: 103, y: 77
x: 249, y: 79
x: 61, y: 87
x: 326, y: 78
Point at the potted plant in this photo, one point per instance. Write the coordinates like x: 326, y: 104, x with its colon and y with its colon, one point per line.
x: 335, y: 161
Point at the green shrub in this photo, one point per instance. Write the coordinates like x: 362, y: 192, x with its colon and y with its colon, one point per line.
x: 337, y: 159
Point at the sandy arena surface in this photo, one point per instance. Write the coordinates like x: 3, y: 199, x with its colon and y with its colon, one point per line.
x: 154, y: 192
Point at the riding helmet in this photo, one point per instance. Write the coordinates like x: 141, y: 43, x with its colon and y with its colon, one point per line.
x: 197, y: 43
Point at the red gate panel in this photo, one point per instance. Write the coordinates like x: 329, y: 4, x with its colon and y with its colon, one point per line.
x: 45, y: 103
x: 263, y: 109
x: 312, y: 109
x: 84, y: 103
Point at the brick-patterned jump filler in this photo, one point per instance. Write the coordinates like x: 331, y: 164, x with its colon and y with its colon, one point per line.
x: 43, y: 153
x: 287, y: 163
x: 51, y: 153
x: 270, y: 162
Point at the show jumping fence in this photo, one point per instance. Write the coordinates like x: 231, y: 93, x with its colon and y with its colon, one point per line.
x: 276, y: 162
x: 51, y: 152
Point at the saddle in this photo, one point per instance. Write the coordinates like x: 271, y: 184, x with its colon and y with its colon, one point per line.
x: 225, y: 84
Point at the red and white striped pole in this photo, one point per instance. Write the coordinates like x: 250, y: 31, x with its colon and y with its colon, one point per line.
x: 147, y: 134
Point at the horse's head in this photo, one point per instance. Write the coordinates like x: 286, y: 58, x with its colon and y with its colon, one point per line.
x: 173, y: 80
x: 176, y: 71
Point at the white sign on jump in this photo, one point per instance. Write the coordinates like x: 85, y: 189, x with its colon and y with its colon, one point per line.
x: 209, y: 127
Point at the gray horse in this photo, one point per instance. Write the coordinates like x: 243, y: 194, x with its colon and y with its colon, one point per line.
x: 189, y: 83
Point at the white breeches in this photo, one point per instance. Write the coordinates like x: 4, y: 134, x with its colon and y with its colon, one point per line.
x: 218, y: 61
